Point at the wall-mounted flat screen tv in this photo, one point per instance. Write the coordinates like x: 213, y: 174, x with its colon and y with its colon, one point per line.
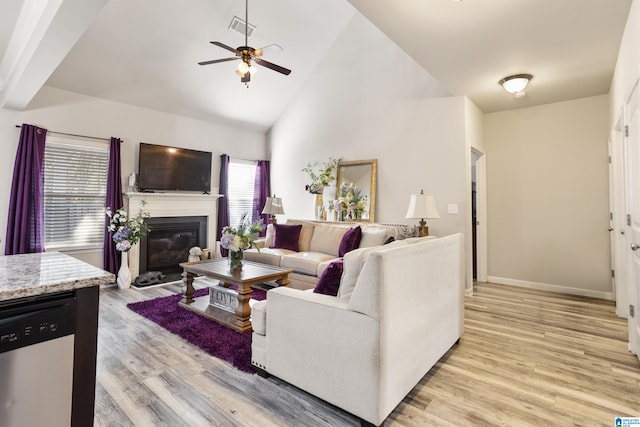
x: 162, y: 168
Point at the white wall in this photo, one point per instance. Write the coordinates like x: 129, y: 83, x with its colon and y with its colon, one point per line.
x: 63, y: 111
x: 628, y: 64
x: 378, y: 105
x: 548, y: 206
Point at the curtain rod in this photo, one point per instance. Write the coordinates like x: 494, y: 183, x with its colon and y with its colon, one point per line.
x: 73, y: 134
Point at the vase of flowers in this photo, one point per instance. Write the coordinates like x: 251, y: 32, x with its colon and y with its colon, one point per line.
x: 126, y: 232
x: 351, y: 203
x: 238, y: 239
x: 319, y: 180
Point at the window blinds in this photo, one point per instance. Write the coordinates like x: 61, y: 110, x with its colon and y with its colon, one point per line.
x: 242, y: 178
x: 75, y: 182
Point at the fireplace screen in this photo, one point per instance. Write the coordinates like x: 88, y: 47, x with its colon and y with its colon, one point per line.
x: 167, y: 242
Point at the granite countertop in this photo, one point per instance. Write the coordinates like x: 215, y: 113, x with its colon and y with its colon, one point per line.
x: 46, y: 273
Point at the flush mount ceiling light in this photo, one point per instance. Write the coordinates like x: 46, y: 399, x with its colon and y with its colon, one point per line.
x: 516, y: 84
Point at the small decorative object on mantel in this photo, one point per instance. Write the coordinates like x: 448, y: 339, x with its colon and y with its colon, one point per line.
x: 319, y: 180
x: 126, y: 233
x: 238, y: 239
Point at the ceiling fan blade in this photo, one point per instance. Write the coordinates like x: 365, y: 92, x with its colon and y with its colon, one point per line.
x: 273, y: 66
x: 224, y: 46
x: 272, y: 48
x: 215, y: 61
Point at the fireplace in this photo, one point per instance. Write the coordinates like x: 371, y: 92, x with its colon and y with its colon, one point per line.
x: 167, y: 242
x: 169, y: 206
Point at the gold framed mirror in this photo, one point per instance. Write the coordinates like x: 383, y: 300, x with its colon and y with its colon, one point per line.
x: 356, y: 183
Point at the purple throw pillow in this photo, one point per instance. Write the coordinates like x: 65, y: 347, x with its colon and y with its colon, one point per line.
x: 350, y: 241
x: 329, y: 281
x: 286, y: 237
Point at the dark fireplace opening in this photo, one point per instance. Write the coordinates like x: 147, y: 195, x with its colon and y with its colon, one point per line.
x: 167, y: 242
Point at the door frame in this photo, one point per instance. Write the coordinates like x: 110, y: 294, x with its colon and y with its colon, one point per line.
x: 481, y: 213
x: 631, y: 113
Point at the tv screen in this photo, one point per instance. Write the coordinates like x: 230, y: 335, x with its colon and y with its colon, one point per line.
x: 162, y: 168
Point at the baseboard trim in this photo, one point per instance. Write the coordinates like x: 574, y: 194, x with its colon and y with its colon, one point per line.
x: 551, y: 288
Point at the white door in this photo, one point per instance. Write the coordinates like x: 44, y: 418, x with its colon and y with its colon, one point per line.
x: 632, y: 136
x: 620, y: 246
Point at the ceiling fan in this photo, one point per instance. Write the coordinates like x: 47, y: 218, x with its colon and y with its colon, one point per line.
x: 246, y: 54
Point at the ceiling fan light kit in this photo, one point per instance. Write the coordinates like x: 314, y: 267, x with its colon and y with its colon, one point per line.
x: 247, y: 54
x: 516, y: 84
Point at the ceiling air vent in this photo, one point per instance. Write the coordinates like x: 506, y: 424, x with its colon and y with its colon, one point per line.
x: 238, y: 25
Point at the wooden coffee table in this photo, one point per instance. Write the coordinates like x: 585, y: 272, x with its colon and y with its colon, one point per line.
x: 252, y: 274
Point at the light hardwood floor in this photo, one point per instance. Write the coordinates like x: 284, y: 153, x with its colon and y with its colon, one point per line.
x: 527, y: 358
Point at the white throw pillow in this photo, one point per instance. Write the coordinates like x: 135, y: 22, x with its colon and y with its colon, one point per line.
x: 268, y: 237
x: 353, y: 263
x: 326, y: 239
x: 373, y: 236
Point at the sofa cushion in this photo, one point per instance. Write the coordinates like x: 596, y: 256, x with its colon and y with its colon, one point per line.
x: 374, y: 236
x: 353, y: 263
x: 306, y: 234
x: 350, y: 241
x: 286, y: 236
x: 304, y: 262
x: 259, y: 317
x: 266, y: 255
x: 268, y: 237
x: 304, y: 242
x: 329, y: 282
x: 326, y: 239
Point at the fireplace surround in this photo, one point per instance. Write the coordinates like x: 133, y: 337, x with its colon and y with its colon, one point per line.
x: 174, y: 205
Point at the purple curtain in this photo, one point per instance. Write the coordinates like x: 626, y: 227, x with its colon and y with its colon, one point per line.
x: 223, y: 204
x: 261, y: 190
x: 25, y: 223
x: 113, y: 200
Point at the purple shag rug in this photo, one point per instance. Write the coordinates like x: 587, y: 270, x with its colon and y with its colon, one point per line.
x: 215, y: 339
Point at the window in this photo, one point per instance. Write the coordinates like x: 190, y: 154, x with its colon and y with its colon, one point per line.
x: 242, y: 178
x: 75, y: 183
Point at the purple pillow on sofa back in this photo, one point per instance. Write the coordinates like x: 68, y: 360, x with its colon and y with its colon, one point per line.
x: 350, y: 241
x: 286, y: 237
x: 329, y: 281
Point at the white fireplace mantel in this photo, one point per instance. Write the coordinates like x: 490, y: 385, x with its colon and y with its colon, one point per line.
x: 172, y: 205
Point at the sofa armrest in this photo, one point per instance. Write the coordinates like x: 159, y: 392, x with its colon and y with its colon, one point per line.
x: 260, y: 243
x: 314, y: 342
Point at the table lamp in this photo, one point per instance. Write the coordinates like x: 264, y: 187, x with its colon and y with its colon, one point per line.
x: 422, y: 206
x: 273, y: 207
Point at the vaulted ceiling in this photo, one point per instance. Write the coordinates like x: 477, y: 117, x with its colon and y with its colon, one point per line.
x: 145, y: 52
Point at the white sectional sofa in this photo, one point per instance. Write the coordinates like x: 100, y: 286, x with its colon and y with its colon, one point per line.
x: 318, y: 245
x: 399, y: 309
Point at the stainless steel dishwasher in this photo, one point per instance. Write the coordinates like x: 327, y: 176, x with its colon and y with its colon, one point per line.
x: 36, y: 361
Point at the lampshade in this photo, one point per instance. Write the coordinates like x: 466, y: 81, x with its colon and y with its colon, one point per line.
x: 273, y: 206
x: 516, y: 83
x: 422, y: 206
